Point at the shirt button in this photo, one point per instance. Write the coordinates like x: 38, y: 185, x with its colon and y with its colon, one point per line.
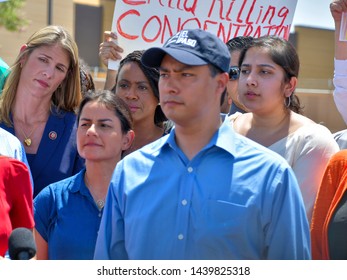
x: 190, y: 169
x: 184, y: 202
x: 180, y: 236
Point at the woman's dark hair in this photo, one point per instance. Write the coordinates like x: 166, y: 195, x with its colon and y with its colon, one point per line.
x: 239, y: 43
x: 112, y: 102
x: 283, y: 54
x: 152, y: 75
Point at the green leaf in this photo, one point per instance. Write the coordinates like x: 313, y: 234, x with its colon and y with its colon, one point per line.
x: 10, y: 15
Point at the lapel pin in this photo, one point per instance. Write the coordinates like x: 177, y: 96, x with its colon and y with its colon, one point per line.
x: 52, y: 135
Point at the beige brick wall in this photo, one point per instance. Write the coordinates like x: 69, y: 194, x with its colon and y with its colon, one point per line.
x: 319, y: 106
x: 89, y: 2
x: 316, y: 52
x: 36, y: 12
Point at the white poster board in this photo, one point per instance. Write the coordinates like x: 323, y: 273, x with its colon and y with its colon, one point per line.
x: 343, y: 27
x: 141, y: 24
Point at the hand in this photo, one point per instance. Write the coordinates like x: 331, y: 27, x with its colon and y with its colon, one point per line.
x: 337, y: 7
x: 109, y: 48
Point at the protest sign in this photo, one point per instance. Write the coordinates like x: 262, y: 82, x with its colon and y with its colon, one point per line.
x: 141, y: 24
x: 343, y: 27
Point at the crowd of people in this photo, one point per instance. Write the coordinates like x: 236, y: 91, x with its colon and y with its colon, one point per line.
x: 196, y: 150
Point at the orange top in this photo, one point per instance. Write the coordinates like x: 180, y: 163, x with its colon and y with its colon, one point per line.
x: 332, y: 188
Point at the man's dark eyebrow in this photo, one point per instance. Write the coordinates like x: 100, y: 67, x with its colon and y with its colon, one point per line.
x: 180, y: 69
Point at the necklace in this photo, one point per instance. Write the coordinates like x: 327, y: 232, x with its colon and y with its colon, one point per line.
x: 100, y: 203
x: 27, y: 139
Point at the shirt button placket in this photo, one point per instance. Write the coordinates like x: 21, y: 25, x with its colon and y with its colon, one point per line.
x: 184, y: 203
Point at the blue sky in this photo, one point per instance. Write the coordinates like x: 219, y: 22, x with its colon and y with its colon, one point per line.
x: 313, y: 13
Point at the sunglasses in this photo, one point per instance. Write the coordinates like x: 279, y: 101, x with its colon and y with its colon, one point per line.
x: 234, y: 73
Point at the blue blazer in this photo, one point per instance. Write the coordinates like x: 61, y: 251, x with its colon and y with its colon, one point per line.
x: 57, y: 157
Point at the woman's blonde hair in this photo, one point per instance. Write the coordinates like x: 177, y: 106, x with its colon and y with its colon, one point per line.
x: 68, y: 95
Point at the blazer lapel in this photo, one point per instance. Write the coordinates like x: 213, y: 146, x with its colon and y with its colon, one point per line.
x: 51, y: 138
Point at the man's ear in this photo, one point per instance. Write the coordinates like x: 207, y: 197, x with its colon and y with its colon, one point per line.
x: 223, y: 81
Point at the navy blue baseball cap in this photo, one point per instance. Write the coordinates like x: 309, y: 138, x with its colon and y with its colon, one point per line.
x: 191, y: 47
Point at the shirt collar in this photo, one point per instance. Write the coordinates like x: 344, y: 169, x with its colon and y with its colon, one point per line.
x: 225, y: 138
x: 78, y: 184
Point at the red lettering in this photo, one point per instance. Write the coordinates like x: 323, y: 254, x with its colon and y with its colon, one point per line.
x: 206, y: 22
x: 238, y: 26
x: 119, y: 28
x: 271, y: 10
x: 283, y: 13
x: 283, y: 31
x: 159, y: 27
x: 189, y: 20
x: 248, y: 31
x: 179, y: 25
x: 240, y: 12
x: 220, y: 9
x: 257, y: 32
x: 268, y: 30
x: 242, y: 17
x: 222, y: 34
x: 229, y: 11
x: 170, y: 2
x: 211, y: 8
x: 134, y: 3
x: 192, y: 8
x: 250, y: 13
x: 146, y: 39
x: 287, y: 32
x: 260, y: 13
x: 168, y: 25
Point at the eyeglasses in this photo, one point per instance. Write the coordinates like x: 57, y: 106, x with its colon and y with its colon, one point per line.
x: 234, y: 73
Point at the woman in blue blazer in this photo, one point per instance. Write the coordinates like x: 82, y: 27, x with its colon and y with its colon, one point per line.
x: 38, y: 104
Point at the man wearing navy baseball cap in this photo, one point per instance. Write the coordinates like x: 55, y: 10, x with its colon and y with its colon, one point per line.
x: 203, y: 191
x: 192, y: 47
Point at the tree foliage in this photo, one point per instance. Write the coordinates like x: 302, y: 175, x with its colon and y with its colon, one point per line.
x: 10, y: 17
